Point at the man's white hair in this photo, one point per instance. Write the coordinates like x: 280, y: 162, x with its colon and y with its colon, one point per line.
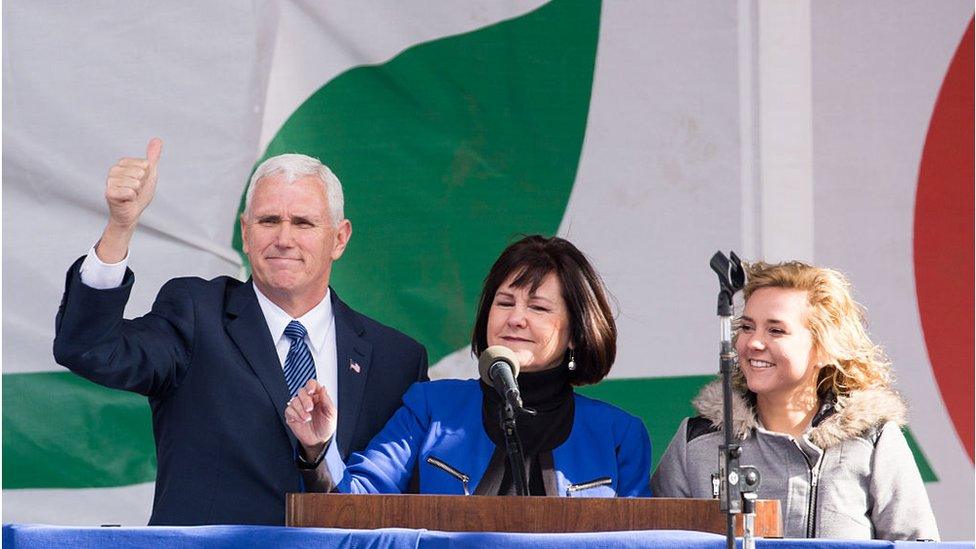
x: 294, y: 167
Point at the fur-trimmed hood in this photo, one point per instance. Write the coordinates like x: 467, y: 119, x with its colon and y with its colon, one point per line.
x: 850, y: 416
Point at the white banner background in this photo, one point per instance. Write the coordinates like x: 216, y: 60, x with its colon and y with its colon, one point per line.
x: 776, y: 129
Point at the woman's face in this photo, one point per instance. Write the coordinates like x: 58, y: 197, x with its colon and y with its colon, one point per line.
x: 535, y: 325
x: 776, y: 350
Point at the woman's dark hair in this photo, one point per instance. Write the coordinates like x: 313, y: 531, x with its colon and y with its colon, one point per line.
x: 592, y: 329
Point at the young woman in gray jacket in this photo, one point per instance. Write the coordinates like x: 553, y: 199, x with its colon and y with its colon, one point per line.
x: 814, y: 411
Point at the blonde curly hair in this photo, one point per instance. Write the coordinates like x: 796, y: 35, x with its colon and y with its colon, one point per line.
x: 852, y: 361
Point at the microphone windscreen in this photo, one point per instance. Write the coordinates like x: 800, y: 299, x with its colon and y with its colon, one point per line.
x: 494, y: 354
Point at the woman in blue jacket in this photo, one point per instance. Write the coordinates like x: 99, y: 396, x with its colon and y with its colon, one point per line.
x: 543, y: 300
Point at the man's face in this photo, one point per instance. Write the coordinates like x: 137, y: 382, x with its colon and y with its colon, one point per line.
x: 290, y: 240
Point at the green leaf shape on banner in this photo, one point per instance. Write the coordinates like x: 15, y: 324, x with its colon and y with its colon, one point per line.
x: 63, y: 431
x: 924, y: 467
x: 447, y: 153
x: 662, y: 402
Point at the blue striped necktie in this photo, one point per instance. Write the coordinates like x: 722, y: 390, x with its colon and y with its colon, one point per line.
x: 299, y: 366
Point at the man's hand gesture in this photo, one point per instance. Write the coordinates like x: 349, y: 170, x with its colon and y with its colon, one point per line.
x: 312, y: 417
x: 129, y: 188
x: 131, y: 184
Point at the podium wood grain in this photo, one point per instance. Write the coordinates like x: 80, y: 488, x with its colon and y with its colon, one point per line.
x: 520, y: 514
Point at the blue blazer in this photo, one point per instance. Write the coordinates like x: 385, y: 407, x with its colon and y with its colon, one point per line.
x: 204, y: 357
x: 442, y: 419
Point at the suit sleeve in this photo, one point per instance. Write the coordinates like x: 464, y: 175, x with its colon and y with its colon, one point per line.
x: 901, y: 509
x: 148, y: 355
x: 670, y: 479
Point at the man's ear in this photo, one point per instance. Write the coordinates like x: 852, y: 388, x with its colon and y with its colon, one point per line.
x: 244, y: 235
x: 343, y: 234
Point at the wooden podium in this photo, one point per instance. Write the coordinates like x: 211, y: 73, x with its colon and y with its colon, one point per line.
x: 520, y: 514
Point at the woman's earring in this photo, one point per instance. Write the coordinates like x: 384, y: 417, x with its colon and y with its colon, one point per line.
x: 572, y: 361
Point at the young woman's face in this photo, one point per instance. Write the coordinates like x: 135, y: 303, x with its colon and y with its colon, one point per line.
x: 776, y: 350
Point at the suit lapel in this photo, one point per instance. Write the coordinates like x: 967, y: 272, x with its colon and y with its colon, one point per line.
x: 353, y: 354
x: 249, y: 331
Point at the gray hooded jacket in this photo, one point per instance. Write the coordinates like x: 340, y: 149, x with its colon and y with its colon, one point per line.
x: 851, y: 475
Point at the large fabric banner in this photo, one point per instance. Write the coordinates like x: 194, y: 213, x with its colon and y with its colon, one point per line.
x: 651, y: 134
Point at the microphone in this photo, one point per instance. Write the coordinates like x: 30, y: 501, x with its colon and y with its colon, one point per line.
x: 498, y: 367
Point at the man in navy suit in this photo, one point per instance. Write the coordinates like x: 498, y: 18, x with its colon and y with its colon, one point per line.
x: 213, y: 355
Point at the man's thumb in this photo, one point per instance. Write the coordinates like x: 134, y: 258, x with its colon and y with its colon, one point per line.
x: 153, y: 150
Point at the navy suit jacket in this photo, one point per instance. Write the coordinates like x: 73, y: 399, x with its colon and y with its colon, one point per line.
x: 204, y: 357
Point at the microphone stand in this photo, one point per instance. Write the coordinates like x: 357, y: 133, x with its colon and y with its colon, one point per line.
x: 513, y: 448
x: 736, y: 484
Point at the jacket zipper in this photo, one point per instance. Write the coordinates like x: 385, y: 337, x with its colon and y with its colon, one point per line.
x: 451, y: 471
x: 814, y: 491
x: 602, y: 481
x: 814, y: 471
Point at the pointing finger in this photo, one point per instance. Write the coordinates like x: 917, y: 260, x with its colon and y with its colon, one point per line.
x: 297, y: 408
x: 132, y: 162
x: 135, y: 172
x: 312, y: 386
x: 304, y: 399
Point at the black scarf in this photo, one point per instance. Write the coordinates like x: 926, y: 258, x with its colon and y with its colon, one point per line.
x: 548, y: 393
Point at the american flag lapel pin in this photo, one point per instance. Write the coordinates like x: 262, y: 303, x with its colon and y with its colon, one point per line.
x: 354, y: 366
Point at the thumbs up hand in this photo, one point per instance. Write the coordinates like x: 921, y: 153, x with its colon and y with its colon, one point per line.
x: 129, y: 188
x: 131, y: 184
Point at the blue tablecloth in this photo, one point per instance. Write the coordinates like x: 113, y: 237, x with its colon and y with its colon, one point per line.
x: 30, y: 535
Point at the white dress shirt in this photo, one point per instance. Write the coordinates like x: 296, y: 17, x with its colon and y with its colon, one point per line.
x: 321, y: 337
x: 319, y: 322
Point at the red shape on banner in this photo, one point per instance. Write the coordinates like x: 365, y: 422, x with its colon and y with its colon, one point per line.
x: 943, y: 241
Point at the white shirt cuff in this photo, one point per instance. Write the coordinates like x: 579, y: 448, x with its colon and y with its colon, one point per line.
x: 100, y: 275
